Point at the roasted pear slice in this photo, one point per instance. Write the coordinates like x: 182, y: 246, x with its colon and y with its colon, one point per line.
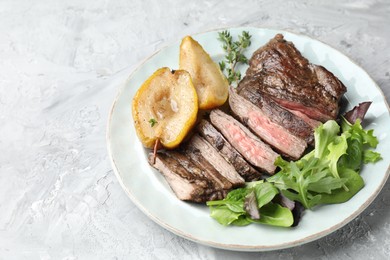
x: 210, y: 83
x: 165, y: 108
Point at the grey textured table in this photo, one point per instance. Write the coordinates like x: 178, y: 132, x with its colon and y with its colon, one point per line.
x: 61, y: 65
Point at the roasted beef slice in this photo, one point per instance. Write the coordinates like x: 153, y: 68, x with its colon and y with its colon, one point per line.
x: 279, y: 70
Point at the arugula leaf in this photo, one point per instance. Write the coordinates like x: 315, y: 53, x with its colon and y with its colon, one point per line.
x: 303, y: 180
x: 308, y: 200
x: 326, y: 184
x: 354, y: 183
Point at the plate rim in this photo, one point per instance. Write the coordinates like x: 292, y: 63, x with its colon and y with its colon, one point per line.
x: 232, y: 246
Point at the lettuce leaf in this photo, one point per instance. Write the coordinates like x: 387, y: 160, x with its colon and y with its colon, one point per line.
x: 324, y: 134
x: 359, y: 144
x: 224, y: 215
x: 232, y: 209
x: 370, y: 156
x: 275, y: 215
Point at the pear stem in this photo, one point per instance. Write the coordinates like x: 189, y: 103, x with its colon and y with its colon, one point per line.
x: 156, y: 145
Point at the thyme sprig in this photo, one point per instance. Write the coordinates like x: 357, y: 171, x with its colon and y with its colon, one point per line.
x: 234, y: 54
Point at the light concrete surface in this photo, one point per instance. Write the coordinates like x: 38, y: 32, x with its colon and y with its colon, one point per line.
x: 61, y: 66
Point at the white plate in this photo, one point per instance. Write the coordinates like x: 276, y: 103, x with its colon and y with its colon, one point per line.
x: 151, y: 193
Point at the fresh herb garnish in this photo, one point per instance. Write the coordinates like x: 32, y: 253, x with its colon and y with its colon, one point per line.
x: 152, y: 122
x: 234, y: 54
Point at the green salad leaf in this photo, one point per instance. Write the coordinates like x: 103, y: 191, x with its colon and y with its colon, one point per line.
x: 304, y: 180
x: 359, y: 146
x: 274, y: 214
x: 354, y: 183
x: 224, y: 215
x: 370, y: 156
x: 324, y: 134
x: 330, y: 173
x: 232, y: 210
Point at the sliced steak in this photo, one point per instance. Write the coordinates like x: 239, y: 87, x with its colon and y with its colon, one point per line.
x: 279, y: 115
x: 231, y: 155
x: 260, y: 120
x: 220, y: 164
x: 249, y: 145
x: 279, y: 70
x: 208, y: 169
x: 186, y: 185
x: 311, y: 122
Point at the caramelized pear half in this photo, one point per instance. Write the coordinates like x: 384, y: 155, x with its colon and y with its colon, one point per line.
x: 210, y: 83
x: 165, y: 108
